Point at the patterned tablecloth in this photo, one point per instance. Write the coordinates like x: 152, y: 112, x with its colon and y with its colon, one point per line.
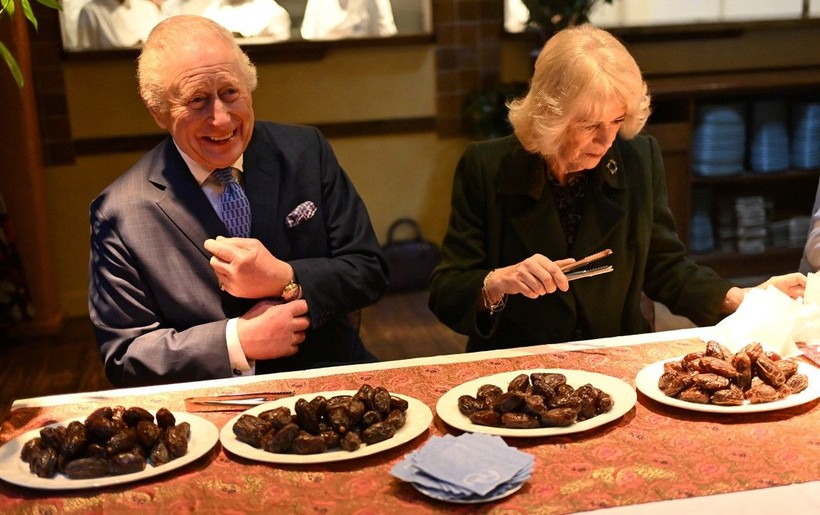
x: 653, y: 453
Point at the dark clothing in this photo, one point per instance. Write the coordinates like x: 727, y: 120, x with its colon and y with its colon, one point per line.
x: 154, y: 299
x: 504, y: 211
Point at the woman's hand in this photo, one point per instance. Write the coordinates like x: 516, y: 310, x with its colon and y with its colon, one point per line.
x: 535, y: 276
x: 793, y: 285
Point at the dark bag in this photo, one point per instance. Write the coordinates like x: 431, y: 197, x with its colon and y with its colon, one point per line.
x: 409, y: 261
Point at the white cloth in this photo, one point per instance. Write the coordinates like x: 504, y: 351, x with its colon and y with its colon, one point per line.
x: 336, y: 19
x: 116, y: 23
x: 811, y: 253
x: 516, y: 15
x: 251, y: 18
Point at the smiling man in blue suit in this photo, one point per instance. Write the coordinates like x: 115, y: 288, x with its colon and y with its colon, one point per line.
x: 179, y: 290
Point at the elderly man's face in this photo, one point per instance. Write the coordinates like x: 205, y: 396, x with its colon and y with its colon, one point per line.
x: 210, y: 113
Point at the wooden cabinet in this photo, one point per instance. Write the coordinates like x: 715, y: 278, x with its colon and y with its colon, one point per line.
x: 788, y: 193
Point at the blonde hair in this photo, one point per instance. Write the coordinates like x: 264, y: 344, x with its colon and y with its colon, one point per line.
x: 578, y: 73
x: 169, y: 37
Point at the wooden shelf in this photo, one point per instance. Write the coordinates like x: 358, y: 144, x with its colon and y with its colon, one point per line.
x: 773, y: 261
x: 747, y: 83
x: 756, y: 178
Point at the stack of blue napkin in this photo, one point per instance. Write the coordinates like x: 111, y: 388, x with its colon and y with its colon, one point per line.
x: 473, y: 467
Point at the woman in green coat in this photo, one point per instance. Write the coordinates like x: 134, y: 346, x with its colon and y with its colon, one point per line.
x: 574, y: 179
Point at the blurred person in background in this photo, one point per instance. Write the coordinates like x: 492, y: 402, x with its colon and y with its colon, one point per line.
x: 336, y: 19
x: 811, y: 253
x: 106, y: 24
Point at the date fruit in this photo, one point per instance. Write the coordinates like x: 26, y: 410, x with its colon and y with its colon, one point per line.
x: 541, y: 399
x: 716, y: 376
x: 111, y: 441
x: 343, y: 422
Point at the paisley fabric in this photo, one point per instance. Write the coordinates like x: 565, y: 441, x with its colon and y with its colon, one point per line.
x: 652, y: 453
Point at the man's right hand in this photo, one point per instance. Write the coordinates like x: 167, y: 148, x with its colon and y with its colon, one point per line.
x: 272, y: 329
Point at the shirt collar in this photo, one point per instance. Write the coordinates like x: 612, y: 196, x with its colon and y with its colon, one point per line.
x: 201, y: 173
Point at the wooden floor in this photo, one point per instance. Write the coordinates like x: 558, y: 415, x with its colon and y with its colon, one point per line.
x: 398, y: 326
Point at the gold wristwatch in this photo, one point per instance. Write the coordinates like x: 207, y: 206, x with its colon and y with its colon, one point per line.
x: 292, y: 291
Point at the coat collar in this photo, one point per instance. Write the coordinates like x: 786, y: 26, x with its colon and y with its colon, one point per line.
x: 533, y: 214
x: 525, y: 173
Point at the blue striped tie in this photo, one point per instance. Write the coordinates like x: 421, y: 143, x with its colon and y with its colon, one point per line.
x: 236, y: 210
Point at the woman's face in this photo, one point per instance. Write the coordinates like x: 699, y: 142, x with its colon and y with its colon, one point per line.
x: 587, y: 141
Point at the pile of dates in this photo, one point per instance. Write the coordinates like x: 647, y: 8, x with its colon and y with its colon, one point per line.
x: 541, y: 399
x: 369, y: 416
x: 718, y: 376
x: 111, y: 441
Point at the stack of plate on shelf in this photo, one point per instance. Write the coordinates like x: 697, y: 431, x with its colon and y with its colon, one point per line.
x: 750, y: 213
x: 725, y: 222
x: 719, y: 139
x: 769, y: 138
x: 799, y: 231
x: 701, y: 234
x: 805, y: 151
x: 790, y: 233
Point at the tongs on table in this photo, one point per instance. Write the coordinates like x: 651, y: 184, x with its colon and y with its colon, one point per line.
x: 587, y: 272
x: 232, y: 401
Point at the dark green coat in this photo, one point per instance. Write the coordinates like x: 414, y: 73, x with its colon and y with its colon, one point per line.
x: 503, y: 212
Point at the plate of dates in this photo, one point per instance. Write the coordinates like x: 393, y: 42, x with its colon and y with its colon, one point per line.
x: 325, y: 427
x: 201, y: 434
x: 748, y: 381
x: 536, y: 403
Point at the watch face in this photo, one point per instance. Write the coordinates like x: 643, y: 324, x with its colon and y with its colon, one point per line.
x: 291, y: 292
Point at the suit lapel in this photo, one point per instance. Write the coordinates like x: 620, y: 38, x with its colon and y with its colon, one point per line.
x: 533, y: 215
x: 529, y: 208
x: 183, y: 202
x: 604, y: 212
x: 263, y: 181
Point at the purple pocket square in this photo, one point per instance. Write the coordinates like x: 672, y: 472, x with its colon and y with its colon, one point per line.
x: 302, y: 213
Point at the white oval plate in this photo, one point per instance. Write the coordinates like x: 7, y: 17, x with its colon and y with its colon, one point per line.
x: 647, y: 383
x: 622, y: 393
x: 418, y: 420
x: 204, y: 435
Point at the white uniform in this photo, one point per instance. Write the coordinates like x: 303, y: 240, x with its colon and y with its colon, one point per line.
x: 337, y: 19
x: 116, y: 23
x: 251, y: 18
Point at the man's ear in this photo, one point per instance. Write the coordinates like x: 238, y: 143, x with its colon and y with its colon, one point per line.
x: 160, y: 118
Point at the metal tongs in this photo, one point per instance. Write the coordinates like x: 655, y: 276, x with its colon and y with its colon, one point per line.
x: 232, y: 401
x: 589, y: 272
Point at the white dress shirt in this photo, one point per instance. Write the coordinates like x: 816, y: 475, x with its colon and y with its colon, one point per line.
x: 213, y: 187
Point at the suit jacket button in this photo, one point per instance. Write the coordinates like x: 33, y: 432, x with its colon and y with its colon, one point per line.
x: 237, y: 372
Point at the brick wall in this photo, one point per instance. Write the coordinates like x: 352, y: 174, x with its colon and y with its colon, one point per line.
x: 468, y: 55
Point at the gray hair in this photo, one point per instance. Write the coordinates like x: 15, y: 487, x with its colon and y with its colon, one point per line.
x: 578, y: 73
x: 170, y: 36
